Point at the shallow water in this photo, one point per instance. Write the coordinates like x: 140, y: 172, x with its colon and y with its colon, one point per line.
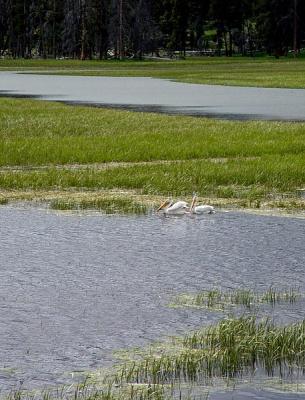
x: 159, y: 95
x: 74, y: 288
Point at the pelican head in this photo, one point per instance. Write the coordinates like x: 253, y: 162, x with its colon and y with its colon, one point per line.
x: 193, y: 203
x: 164, y: 204
x: 173, y: 208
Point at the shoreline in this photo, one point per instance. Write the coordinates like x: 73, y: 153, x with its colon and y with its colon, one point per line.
x: 291, y: 208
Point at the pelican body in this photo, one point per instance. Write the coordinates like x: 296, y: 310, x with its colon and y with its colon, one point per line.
x: 201, y: 209
x: 171, y: 208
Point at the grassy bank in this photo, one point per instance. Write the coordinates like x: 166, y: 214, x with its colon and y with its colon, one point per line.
x: 241, y: 71
x: 50, y: 147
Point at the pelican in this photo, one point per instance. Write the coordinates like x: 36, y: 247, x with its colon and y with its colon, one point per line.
x: 169, y: 207
x: 201, y: 209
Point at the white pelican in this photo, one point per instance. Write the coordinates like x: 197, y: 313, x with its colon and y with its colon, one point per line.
x: 169, y: 207
x: 201, y: 209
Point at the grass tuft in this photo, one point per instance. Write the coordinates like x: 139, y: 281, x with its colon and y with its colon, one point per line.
x: 220, y: 300
x: 113, y: 205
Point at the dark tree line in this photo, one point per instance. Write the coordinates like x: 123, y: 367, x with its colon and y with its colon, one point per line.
x: 131, y: 28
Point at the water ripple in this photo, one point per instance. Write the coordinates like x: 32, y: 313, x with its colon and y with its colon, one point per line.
x: 74, y: 288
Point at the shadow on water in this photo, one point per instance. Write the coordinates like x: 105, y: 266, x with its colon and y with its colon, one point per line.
x: 17, y: 95
x: 192, y: 111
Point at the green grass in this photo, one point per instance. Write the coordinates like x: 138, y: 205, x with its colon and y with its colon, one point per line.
x: 246, y: 179
x: 241, y: 71
x: 50, y: 146
x: 39, y: 133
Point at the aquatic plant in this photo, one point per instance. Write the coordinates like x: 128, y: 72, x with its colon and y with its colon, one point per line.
x: 87, y: 391
x: 233, y: 348
x: 216, y: 299
x: 273, y: 296
x: 110, y: 205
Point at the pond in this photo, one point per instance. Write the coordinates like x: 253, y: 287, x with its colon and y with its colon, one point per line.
x: 159, y: 95
x: 76, y: 287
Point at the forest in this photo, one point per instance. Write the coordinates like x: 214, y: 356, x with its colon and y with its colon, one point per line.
x: 101, y: 29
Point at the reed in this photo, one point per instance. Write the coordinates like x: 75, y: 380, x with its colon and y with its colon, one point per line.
x: 273, y: 296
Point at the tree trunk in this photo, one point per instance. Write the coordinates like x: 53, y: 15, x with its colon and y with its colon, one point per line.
x: 83, y: 31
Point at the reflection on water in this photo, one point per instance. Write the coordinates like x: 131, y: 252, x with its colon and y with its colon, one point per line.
x: 73, y: 288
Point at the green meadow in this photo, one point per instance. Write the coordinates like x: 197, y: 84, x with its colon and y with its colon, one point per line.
x: 240, y: 71
x: 52, y: 147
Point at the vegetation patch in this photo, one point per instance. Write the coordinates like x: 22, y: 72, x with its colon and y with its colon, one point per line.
x: 233, y: 348
x: 258, y: 179
x: 222, y: 300
x: 113, y: 205
x: 53, y: 147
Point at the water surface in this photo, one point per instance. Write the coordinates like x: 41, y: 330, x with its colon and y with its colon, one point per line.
x: 74, y: 288
x: 160, y: 95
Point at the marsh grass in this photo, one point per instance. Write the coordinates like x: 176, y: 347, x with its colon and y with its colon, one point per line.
x: 87, y: 391
x: 43, y: 133
x: 222, y: 300
x: 48, y: 146
x: 233, y: 348
x: 114, y: 205
x: 272, y: 296
x: 248, y: 179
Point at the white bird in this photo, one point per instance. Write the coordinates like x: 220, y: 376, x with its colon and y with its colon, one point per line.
x: 169, y: 207
x: 201, y: 209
